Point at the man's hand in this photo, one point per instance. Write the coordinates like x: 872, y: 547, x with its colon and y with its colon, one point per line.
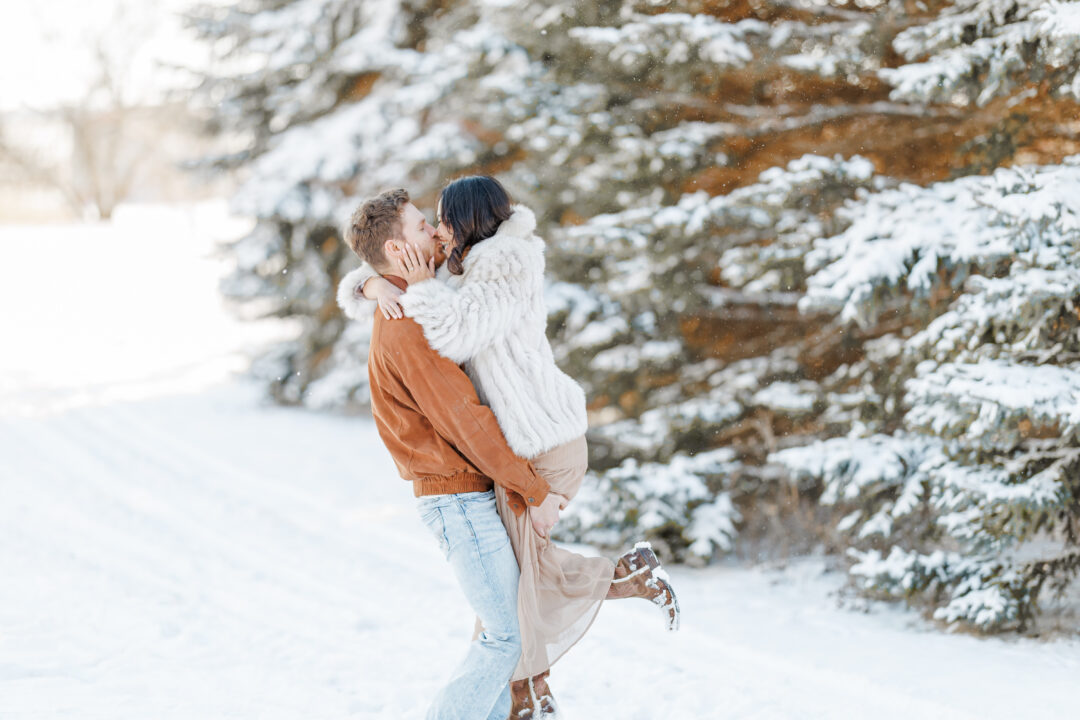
x: 411, y: 266
x: 545, y: 515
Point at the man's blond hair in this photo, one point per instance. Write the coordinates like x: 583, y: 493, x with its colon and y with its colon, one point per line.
x: 377, y: 220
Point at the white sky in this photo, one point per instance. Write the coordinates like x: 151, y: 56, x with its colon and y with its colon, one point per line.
x: 45, y: 46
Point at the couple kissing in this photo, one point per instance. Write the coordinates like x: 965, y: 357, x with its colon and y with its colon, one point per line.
x: 468, y: 400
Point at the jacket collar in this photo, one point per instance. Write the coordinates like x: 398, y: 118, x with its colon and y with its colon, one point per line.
x: 398, y: 282
x: 521, y: 223
x: 519, y: 226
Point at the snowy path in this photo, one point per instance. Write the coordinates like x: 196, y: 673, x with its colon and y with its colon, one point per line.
x: 171, y: 547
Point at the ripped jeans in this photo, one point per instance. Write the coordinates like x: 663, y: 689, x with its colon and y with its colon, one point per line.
x: 474, y: 541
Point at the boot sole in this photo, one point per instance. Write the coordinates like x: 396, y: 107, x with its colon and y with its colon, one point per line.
x: 645, y: 552
x: 652, y: 565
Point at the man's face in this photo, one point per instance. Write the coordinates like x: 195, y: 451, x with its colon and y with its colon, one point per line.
x: 415, y: 231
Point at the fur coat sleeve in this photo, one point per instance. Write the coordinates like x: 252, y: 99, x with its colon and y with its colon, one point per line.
x: 350, y: 296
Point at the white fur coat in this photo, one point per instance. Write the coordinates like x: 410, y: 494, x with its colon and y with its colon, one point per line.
x: 492, y: 319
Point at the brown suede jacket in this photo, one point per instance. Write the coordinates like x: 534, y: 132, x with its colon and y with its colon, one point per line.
x: 440, y: 435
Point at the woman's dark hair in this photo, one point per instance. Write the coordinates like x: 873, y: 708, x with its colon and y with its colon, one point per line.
x: 473, y: 207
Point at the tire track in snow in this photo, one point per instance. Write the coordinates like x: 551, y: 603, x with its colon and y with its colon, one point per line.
x: 156, y: 501
x: 94, y: 471
x: 162, y: 556
x: 270, y: 494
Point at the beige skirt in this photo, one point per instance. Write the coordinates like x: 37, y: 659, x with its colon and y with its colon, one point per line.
x: 559, y: 592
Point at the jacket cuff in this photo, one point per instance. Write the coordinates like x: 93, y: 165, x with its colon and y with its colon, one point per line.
x: 537, y: 492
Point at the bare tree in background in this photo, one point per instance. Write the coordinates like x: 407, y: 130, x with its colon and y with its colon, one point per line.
x: 91, y: 148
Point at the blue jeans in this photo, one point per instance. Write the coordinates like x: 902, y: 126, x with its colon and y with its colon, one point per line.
x: 474, y: 541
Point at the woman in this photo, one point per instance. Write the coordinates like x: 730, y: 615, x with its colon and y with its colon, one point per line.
x: 485, y: 309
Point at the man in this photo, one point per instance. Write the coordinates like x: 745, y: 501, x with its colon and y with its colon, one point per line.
x: 450, y: 447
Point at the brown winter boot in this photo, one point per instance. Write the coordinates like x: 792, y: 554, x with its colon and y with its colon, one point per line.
x: 522, y: 705
x: 638, y: 574
x: 639, y: 560
x: 544, y: 701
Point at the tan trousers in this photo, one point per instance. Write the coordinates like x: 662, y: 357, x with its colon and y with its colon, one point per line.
x: 559, y: 592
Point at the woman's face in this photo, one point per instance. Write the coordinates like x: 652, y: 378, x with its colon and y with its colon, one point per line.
x: 444, y: 234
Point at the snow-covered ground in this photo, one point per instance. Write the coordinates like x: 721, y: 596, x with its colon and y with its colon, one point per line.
x: 173, y: 547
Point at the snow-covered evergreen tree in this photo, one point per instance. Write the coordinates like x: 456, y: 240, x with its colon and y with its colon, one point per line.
x: 336, y: 100
x: 960, y: 475
x: 965, y: 487
x: 768, y: 225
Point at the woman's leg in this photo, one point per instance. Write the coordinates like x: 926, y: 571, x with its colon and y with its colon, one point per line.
x: 560, y: 591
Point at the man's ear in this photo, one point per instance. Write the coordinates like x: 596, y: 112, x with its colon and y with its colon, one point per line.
x: 393, y: 247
